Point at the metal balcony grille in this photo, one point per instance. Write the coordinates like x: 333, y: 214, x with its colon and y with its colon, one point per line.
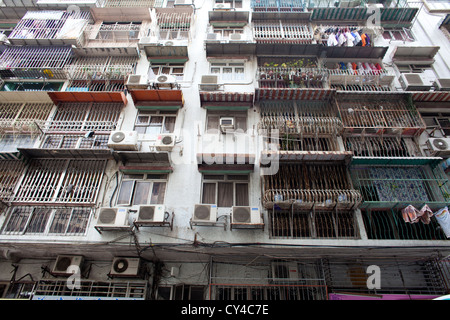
x: 173, y: 25
x: 10, y: 173
x: 47, y: 221
x: 69, y: 182
x: 84, y: 117
x: 304, y: 186
x: 389, y: 225
x: 307, y: 118
x: 278, y: 5
x: 282, y: 32
x: 317, y: 224
x: 387, y: 114
x: 377, y: 147
x: 399, y: 186
x: 90, y: 289
x: 101, y: 68
x: 34, y: 62
x: 128, y: 3
x: 35, y: 26
x: 75, y: 142
x: 23, y: 117
x: 96, y: 85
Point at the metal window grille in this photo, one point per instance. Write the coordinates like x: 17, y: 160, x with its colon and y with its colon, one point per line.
x: 282, y: 32
x: 174, y: 25
x: 278, y: 5
x: 60, y: 181
x: 377, y: 147
x: 129, y: 3
x: 100, y: 85
x: 305, y: 224
x: 34, y: 62
x: 10, y: 173
x: 75, y: 141
x: 389, y: 225
x: 84, y: 117
x: 92, y: 289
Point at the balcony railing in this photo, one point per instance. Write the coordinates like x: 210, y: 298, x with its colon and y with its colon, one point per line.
x: 282, y: 32
x: 278, y: 5
x: 399, y: 186
x: 101, y: 68
x: 279, y: 77
x: 307, y: 186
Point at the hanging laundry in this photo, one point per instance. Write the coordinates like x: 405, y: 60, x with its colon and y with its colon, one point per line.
x: 410, y: 214
x: 341, y: 39
x: 332, y: 40
x: 350, y: 39
x: 425, y: 214
x: 443, y: 218
x: 363, y: 40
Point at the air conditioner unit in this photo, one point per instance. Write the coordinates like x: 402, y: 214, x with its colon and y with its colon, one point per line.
x: 150, y: 214
x: 112, y: 219
x: 165, y: 142
x: 125, y: 267
x: 165, y: 80
x: 209, y: 83
x: 205, y: 214
x: 236, y: 37
x: 226, y: 123
x: 284, y: 271
x: 123, y: 140
x: 136, y: 82
x: 439, y: 147
x: 222, y: 6
x: 442, y: 84
x: 246, y: 217
x: 212, y: 36
x: 63, y: 262
x: 182, y: 3
x: 413, y: 82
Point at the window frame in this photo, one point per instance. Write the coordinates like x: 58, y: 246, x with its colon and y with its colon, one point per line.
x: 215, y: 179
x: 154, y: 113
x: 171, y: 66
x: 218, y: 67
x: 163, y: 178
x: 225, y: 114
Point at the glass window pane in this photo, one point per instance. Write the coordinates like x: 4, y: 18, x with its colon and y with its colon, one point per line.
x: 213, y: 123
x: 209, y: 193
x: 215, y: 70
x: 225, y: 194
x: 158, y: 192
x: 239, y: 73
x: 124, y: 197
x: 18, y: 220
x: 227, y: 74
x: 60, y: 220
x: 38, y: 221
x: 169, y: 124
x: 241, y: 123
x: 79, y: 220
x: 156, y: 120
x: 242, y: 194
x: 142, y: 119
x: 141, y: 192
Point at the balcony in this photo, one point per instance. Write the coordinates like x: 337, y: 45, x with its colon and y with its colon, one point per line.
x: 282, y: 32
x: 10, y: 173
x: 35, y: 62
x: 171, y: 36
x: 309, y: 187
x: 375, y: 114
x: 290, y: 73
x: 56, y: 28
x: 395, y: 187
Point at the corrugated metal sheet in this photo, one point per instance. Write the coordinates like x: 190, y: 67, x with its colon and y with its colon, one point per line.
x: 294, y: 94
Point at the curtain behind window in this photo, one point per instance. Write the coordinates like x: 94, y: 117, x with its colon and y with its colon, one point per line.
x: 225, y: 194
x: 242, y: 194
x: 209, y: 193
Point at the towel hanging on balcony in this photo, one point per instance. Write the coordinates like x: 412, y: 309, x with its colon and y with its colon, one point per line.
x: 411, y: 215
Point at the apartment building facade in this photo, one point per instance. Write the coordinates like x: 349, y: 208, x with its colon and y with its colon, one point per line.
x: 223, y: 150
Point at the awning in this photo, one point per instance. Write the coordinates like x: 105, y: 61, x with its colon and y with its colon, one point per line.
x: 415, y: 161
x: 121, y: 14
x: 234, y: 49
x: 281, y: 15
x: 145, y: 169
x: 24, y: 96
x: 225, y: 163
x: 220, y: 18
x: 138, y: 157
x: 414, y: 55
x: 294, y: 94
x: 288, y: 49
x: 226, y: 100
x: 431, y: 96
x: 59, y: 153
x: 307, y: 155
x: 88, y: 96
x: 157, y: 99
x: 355, y: 52
x: 226, y: 168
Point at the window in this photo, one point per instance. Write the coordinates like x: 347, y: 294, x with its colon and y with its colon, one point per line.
x: 41, y: 220
x: 437, y: 121
x: 225, y: 32
x: 225, y: 190
x: 181, y: 292
x: 398, y: 35
x: 234, y: 3
x: 119, y: 31
x: 32, y: 86
x: 174, y: 69
x: 137, y: 189
x: 228, y: 71
x: 213, y: 120
x: 155, y: 122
